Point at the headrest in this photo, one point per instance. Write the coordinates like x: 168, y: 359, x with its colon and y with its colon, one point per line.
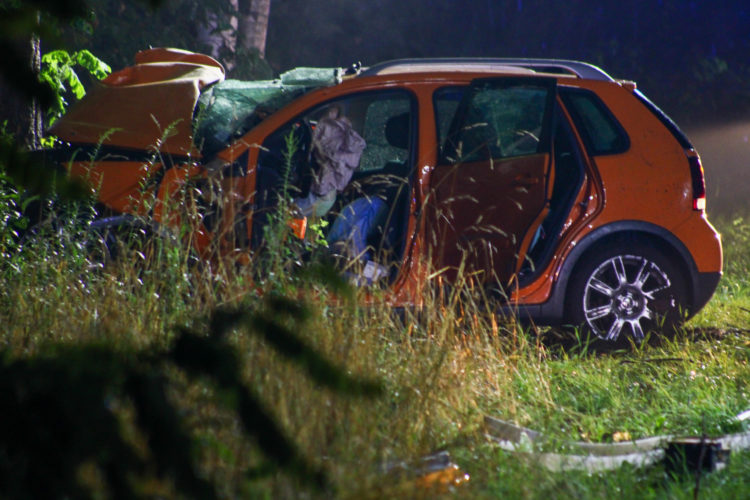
x: 397, y: 130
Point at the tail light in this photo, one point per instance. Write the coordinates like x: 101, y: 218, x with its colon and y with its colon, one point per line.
x: 699, y: 182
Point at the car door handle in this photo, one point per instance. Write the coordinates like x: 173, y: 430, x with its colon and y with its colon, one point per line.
x: 525, y: 180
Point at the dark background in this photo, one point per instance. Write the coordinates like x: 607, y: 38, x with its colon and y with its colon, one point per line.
x: 691, y: 57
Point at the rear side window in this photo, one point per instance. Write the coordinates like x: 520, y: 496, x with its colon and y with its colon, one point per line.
x: 600, y: 130
x: 495, y: 119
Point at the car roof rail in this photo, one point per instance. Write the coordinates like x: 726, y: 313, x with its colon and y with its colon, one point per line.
x: 562, y: 66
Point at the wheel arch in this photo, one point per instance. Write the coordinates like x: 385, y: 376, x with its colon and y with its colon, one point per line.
x: 629, y: 232
x: 554, y: 310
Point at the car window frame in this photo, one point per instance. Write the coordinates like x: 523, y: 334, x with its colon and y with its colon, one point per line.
x: 413, y: 110
x: 549, y: 114
x: 579, y: 123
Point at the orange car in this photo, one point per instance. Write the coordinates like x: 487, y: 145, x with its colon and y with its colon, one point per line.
x: 546, y: 181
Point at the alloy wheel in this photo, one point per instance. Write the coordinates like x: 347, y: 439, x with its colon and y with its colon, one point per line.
x: 626, y: 293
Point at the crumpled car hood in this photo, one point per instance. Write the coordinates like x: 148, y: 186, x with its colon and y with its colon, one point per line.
x: 148, y: 106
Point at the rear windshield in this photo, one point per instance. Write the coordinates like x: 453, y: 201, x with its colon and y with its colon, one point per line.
x: 666, y: 120
x: 600, y: 130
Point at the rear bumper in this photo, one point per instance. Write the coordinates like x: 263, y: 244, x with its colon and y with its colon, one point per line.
x: 704, y: 286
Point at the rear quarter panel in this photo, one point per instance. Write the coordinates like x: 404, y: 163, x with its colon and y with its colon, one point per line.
x: 651, y: 181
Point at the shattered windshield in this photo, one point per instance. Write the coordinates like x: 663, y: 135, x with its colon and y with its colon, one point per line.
x: 231, y: 108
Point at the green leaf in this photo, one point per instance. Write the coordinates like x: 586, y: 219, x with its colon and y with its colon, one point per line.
x: 58, y: 71
x: 92, y: 64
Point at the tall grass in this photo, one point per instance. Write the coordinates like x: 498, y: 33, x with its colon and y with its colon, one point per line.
x: 443, y: 369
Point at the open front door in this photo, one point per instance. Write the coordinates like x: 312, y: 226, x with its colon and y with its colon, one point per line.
x: 491, y: 188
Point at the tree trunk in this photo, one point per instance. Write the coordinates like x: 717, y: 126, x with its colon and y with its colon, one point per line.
x: 221, y: 45
x: 253, y: 24
x: 36, y: 122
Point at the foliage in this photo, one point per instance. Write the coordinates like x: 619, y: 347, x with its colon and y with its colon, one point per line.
x: 70, y: 397
x: 442, y: 370
x: 19, y: 22
x: 12, y: 221
x: 58, y: 70
x: 29, y: 172
x: 107, y: 412
x: 115, y: 428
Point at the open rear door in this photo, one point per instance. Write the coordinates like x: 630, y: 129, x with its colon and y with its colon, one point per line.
x: 491, y: 188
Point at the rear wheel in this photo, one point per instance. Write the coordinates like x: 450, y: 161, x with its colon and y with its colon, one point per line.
x: 112, y: 238
x: 621, y: 293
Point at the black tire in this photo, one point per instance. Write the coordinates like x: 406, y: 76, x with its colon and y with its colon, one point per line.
x: 110, y: 238
x: 101, y: 247
x: 624, y: 291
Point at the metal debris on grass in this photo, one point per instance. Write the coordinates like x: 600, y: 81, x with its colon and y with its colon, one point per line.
x: 687, y: 453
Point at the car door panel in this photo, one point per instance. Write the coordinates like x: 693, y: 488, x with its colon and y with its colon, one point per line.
x: 491, y: 190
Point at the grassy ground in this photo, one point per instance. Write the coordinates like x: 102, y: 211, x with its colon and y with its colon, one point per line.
x: 442, y: 373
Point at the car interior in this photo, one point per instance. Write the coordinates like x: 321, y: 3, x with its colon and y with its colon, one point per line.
x: 286, y: 169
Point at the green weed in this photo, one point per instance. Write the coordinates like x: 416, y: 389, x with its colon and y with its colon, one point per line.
x: 442, y: 369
